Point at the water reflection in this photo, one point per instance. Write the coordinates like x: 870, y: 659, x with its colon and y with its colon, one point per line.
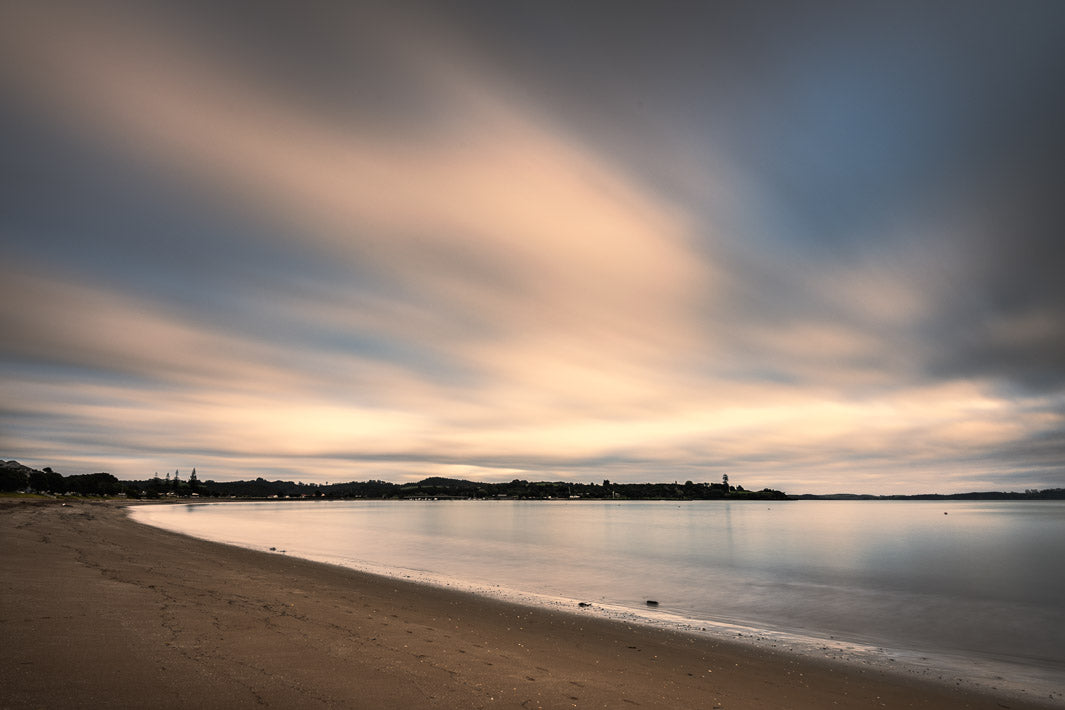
x: 984, y: 579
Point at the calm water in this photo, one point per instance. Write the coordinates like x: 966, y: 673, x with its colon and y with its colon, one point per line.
x: 982, y: 587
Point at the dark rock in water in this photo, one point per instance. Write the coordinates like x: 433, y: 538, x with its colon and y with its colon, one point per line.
x: 652, y: 602
x: 584, y: 604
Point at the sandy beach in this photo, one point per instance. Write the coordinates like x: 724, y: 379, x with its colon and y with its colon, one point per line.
x: 99, y: 611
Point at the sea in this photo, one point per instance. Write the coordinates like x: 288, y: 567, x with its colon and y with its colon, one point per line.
x: 966, y: 592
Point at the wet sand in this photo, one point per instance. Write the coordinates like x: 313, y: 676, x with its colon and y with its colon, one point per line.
x: 99, y: 611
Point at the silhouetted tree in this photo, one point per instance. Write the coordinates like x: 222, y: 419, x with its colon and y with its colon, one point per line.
x: 98, y: 484
x: 47, y: 481
x: 12, y: 479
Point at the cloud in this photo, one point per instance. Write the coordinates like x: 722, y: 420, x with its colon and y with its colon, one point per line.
x: 500, y: 216
x: 143, y: 386
x: 414, y: 262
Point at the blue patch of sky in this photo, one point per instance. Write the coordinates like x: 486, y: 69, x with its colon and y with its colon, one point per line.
x: 89, y: 213
x: 83, y: 207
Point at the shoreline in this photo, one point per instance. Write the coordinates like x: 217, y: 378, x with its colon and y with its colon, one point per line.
x: 991, y: 675
x: 101, y: 610
x: 979, y: 668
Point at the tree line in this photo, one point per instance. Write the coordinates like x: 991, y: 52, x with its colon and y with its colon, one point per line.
x: 16, y: 477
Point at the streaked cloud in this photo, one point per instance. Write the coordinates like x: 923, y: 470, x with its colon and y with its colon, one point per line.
x: 405, y: 252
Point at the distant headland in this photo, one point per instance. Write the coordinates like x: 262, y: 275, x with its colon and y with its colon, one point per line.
x: 1030, y: 494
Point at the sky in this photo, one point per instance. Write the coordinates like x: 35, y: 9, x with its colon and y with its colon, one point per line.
x: 816, y: 246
